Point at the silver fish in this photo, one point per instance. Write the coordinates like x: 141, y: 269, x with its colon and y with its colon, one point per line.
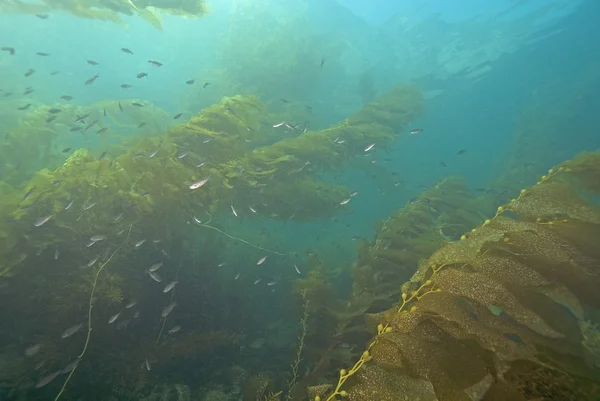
x: 56, y: 253
x: 237, y: 276
x: 147, y: 364
x: 130, y: 305
x: 198, y: 184
x: 33, y: 350
x: 261, y: 260
x: 174, y: 329
x: 88, y: 206
x: 168, y: 309
x: 155, y: 276
x: 45, y: 380
x: 297, y: 270
x: 97, y: 238
x: 233, y: 210
x: 42, y: 220
x: 140, y: 243
x: 182, y: 155
x: 69, y: 204
x: 70, y: 366
x: 155, y: 267
x: 71, y: 330
x: 92, y: 262
x: 153, y: 153
x: 170, y: 286
x: 113, y: 318
x: 257, y: 281
x: 270, y: 283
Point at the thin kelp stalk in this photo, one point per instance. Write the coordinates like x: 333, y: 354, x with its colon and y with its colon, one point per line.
x: 237, y: 239
x: 90, y: 306
x: 296, y: 364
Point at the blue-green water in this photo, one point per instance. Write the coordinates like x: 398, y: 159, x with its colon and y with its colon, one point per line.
x: 507, y: 91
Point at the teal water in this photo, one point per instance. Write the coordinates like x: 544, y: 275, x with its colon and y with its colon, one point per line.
x: 512, y: 85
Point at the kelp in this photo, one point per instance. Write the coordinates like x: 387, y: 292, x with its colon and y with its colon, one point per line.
x: 502, y: 313
x: 111, y: 10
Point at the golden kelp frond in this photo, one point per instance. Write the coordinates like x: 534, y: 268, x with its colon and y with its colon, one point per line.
x: 507, y: 300
x: 438, y: 215
x: 111, y: 10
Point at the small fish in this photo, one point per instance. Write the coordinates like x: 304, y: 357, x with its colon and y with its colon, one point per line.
x: 257, y: 281
x: 279, y: 124
x: 174, y: 329
x: 153, y: 153
x: 155, y: 267
x: 119, y: 216
x: 101, y: 130
x: 42, y: 16
x: 443, y: 164
x: 140, y: 243
x: 88, y: 206
x: 56, y: 253
x: 50, y: 119
x: 200, y: 164
x: 125, y: 50
x: 136, y: 104
x: 28, y: 105
x: 251, y: 209
x: 345, y: 201
x: 353, y: 194
x: 155, y: 276
x: 200, y: 183
x: 97, y: 238
x: 70, y: 366
x: 113, y: 318
x: 120, y: 107
x: 42, y: 220
x: 415, y: 131
x: 141, y: 125
x: 284, y: 100
x: 75, y: 129
x: 261, y: 260
x: 42, y: 54
x: 154, y: 63
x: 103, y: 155
x: 54, y: 72
x: 205, y: 85
x: 221, y: 264
x: 181, y: 155
x: 190, y: 82
x: 81, y: 118
x: 71, y: 330
x: 369, y: 147
x: 297, y: 270
x: 45, y: 380
x: 92, y: 79
x: 460, y: 152
x: 33, y: 350
x: 170, y: 286
x: 91, y: 125
x: 176, y: 117
x: 54, y: 111
x: 67, y: 98
x: 130, y: 305
x: 10, y: 50
x: 27, y: 92
x: 168, y: 309
x: 322, y: 62
x: 93, y: 261
x: 234, y: 212
x: 69, y: 204
x: 237, y: 276
x: 271, y: 283
x: 125, y: 86
x: 92, y: 62
x: 28, y: 194
x: 141, y: 75
x: 147, y: 363
x: 29, y: 72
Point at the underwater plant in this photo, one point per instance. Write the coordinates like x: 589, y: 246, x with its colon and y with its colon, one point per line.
x: 497, y: 313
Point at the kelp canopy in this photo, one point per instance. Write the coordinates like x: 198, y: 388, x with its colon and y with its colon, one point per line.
x: 507, y: 312
x: 111, y: 10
